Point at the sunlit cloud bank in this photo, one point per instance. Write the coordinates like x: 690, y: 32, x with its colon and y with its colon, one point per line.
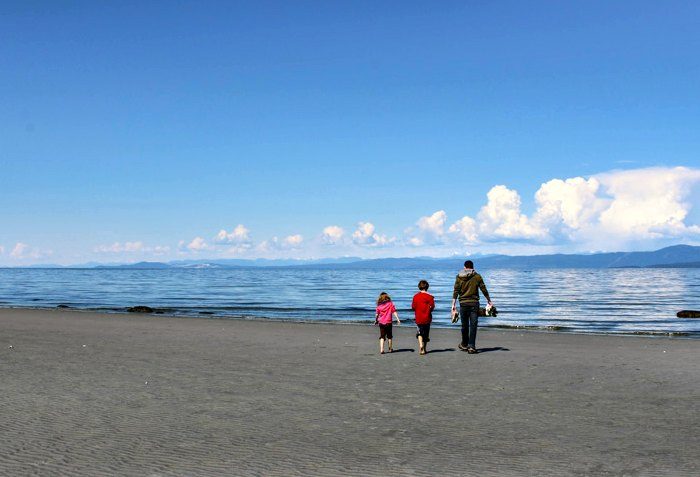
x: 608, y: 211
x: 616, y: 210
x: 602, y: 212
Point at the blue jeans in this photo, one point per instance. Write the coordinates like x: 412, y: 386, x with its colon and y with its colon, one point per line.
x: 469, y: 313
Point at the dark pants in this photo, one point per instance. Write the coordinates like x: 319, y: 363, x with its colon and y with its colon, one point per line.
x: 385, y: 331
x: 469, y: 313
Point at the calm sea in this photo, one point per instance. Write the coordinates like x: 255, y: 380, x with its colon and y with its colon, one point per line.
x: 607, y: 301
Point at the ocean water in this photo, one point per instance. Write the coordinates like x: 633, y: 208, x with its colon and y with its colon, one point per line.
x: 578, y: 300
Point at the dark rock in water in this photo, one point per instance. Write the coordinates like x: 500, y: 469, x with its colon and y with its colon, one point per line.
x: 688, y: 314
x: 206, y: 312
x: 140, y: 309
x: 158, y: 312
x: 62, y: 306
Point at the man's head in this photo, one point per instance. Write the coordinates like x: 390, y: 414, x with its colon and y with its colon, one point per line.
x: 423, y: 285
x: 469, y: 264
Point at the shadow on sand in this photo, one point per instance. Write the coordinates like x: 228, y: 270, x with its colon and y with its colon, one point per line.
x: 403, y: 350
x: 497, y: 348
x: 431, y: 351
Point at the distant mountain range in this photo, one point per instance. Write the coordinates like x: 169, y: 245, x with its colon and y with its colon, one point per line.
x: 677, y: 256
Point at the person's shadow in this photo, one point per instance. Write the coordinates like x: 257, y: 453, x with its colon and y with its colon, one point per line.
x: 404, y: 350
x: 430, y: 351
x: 497, y: 348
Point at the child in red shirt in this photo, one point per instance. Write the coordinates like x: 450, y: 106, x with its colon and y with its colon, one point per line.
x: 423, y: 304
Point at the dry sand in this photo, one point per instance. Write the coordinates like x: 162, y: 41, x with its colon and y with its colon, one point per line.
x: 92, y: 394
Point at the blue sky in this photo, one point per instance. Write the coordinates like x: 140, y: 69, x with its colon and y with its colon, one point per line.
x: 131, y: 129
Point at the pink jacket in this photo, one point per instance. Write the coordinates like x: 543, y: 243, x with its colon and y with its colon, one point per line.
x: 385, y: 311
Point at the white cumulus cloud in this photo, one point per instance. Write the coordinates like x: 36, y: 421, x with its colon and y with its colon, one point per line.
x: 332, y: 234
x: 239, y: 235
x: 197, y: 244
x: 365, y: 235
x: 570, y: 204
x: 465, y: 230
x: 293, y: 240
x: 502, y: 219
x: 290, y: 242
x: 649, y: 202
x: 429, y: 229
x: 433, y: 224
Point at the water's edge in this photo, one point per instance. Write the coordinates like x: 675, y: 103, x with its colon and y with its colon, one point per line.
x: 409, y: 322
x: 564, y: 300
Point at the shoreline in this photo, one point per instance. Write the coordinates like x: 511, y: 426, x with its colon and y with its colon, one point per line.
x: 482, y: 326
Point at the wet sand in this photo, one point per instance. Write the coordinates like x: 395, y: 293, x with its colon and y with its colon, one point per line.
x: 92, y: 394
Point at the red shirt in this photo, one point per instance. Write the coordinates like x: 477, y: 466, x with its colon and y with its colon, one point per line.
x: 423, y: 304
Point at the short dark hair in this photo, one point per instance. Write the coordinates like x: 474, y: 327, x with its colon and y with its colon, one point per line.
x: 468, y: 264
x: 423, y: 285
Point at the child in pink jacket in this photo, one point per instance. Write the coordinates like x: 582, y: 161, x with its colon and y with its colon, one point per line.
x: 386, y: 311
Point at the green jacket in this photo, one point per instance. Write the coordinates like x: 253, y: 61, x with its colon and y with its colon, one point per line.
x: 467, y: 286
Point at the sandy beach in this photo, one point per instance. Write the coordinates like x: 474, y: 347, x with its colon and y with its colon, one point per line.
x: 92, y: 394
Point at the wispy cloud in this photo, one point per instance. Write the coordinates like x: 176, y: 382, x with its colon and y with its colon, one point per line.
x: 23, y: 251
x: 136, y: 247
x: 118, y: 247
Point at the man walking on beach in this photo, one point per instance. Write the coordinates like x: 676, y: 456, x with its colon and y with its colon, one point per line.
x: 467, y: 286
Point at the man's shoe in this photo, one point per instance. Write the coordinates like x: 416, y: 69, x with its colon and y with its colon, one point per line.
x: 471, y: 350
x: 462, y: 347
